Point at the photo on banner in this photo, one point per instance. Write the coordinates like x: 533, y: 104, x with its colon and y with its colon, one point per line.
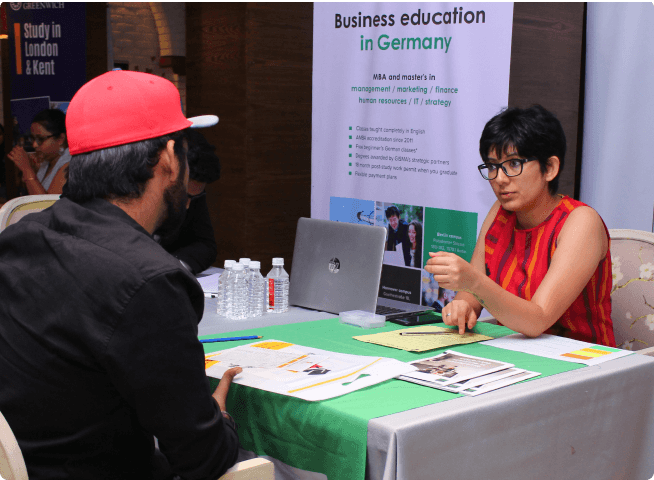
x: 412, y: 232
x: 401, y: 93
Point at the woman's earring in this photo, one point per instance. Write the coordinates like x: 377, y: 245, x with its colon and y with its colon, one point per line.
x: 61, y: 151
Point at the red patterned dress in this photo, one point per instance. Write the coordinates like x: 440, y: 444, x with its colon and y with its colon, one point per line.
x: 518, y: 260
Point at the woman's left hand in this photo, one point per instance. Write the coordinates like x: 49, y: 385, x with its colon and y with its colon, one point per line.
x: 451, y: 271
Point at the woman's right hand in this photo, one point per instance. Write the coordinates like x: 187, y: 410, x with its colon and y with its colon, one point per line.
x: 459, y: 313
x: 19, y: 156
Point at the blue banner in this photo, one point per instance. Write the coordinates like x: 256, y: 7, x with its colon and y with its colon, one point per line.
x: 47, y: 44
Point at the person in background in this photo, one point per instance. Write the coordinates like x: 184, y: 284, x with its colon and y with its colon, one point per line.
x: 98, y: 323
x: 542, y: 263
x: 46, y: 173
x: 194, y: 244
x: 413, y: 248
x: 440, y: 302
x: 397, y: 229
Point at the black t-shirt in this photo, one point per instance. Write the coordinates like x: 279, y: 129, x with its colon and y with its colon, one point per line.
x: 194, y: 242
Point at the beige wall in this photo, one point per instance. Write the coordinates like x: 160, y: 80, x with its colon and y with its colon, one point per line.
x: 142, y: 32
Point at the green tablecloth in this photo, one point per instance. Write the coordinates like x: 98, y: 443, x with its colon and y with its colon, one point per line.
x: 330, y: 436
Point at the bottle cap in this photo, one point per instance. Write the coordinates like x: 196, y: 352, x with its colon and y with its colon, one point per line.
x: 229, y: 263
x: 238, y: 267
x: 278, y: 261
x: 255, y: 264
x: 244, y: 261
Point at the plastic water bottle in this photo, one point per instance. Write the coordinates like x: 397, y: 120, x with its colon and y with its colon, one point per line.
x: 256, y: 287
x: 222, y: 282
x: 236, y: 290
x: 277, y: 287
x: 246, y: 268
x: 245, y: 262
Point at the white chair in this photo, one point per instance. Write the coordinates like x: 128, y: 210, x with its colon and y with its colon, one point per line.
x: 17, y: 208
x: 632, y: 296
x: 253, y: 469
x: 12, y: 464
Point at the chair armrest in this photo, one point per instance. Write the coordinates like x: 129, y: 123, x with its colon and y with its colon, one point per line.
x: 646, y: 351
x: 253, y: 469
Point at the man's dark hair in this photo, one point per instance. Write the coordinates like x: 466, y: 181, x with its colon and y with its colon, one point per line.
x: 534, y: 132
x: 392, y: 210
x: 118, y: 172
x: 203, y: 163
x: 53, y: 120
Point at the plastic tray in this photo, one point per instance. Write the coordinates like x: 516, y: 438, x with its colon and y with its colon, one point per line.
x: 362, y: 319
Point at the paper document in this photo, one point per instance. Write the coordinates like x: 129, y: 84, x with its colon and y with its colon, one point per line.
x: 559, y: 348
x: 209, y: 283
x: 499, y: 383
x: 452, y: 367
x: 421, y: 343
x: 481, y: 380
x: 303, y: 372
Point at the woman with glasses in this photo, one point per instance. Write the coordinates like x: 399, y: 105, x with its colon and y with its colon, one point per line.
x: 542, y: 262
x: 45, y: 172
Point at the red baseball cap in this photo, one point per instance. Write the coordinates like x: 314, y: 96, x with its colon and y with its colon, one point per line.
x: 120, y: 107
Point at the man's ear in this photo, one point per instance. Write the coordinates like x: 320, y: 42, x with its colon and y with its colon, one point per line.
x: 553, y: 166
x: 168, y: 161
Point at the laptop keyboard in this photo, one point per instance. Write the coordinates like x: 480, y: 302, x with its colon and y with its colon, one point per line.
x: 382, y: 310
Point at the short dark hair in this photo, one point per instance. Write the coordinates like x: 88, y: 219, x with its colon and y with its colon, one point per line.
x: 534, y: 132
x: 203, y: 163
x: 118, y: 172
x: 53, y: 120
x: 392, y: 210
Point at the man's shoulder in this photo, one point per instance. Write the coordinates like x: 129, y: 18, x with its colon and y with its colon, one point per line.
x: 96, y: 238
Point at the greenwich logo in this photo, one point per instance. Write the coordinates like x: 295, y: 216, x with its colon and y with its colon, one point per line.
x: 35, y: 5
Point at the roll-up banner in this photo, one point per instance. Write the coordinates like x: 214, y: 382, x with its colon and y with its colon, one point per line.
x: 401, y: 93
x: 47, y: 53
x: 617, y: 167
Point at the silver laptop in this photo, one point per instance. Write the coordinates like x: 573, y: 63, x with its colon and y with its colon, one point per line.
x: 337, y: 267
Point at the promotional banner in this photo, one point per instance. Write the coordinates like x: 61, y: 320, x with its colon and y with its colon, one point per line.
x: 47, y: 52
x: 401, y: 93
x: 617, y: 167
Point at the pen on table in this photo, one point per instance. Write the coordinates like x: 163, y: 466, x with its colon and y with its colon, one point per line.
x: 428, y: 333
x: 229, y: 339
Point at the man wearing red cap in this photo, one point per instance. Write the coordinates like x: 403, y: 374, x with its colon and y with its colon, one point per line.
x: 98, y: 324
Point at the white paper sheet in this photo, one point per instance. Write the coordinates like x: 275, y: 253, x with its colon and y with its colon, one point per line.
x: 209, y: 283
x: 303, y: 372
x: 558, y: 348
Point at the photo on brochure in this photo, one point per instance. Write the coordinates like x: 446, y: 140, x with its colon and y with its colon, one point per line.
x: 452, y: 367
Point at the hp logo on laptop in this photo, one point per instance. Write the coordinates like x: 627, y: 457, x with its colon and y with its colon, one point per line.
x: 334, y: 265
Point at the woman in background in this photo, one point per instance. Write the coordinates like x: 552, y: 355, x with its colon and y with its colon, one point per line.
x: 47, y: 172
x: 413, y: 248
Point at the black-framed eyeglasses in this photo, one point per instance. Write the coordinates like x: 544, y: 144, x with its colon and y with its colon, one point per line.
x: 203, y: 193
x: 39, y: 140
x: 511, y: 168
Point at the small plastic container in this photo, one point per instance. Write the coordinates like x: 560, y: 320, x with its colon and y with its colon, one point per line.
x: 363, y: 319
